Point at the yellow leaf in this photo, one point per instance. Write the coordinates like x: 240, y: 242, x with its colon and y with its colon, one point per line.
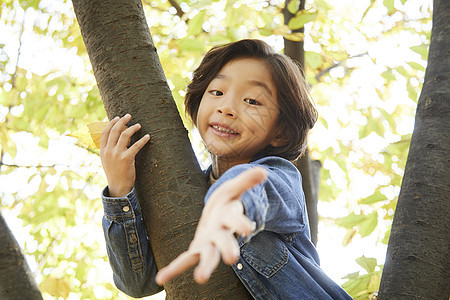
x: 83, y: 136
x: 56, y: 287
x: 95, y: 130
x: 91, y: 134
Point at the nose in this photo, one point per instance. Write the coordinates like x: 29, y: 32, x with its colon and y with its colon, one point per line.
x: 226, y: 108
x: 226, y: 111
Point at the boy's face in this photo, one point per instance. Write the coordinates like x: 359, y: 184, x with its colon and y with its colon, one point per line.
x: 238, y: 112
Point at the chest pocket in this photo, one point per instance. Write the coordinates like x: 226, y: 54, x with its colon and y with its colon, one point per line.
x: 266, y: 253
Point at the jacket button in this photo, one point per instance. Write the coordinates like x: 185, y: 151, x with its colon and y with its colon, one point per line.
x: 239, y: 266
x: 133, y: 238
x: 126, y: 208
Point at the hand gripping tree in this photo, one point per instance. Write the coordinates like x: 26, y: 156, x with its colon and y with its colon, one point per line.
x: 170, y: 184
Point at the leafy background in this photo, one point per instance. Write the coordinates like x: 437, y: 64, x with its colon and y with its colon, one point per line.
x: 365, y: 63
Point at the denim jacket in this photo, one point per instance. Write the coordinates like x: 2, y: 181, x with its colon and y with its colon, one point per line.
x: 277, y: 262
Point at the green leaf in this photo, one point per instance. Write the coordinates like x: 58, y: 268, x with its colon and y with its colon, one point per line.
x: 266, y: 31
x: 374, y: 282
x: 357, y: 285
x: 324, y: 122
x: 300, y: 19
x: 342, y: 163
x: 11, y: 148
x: 403, y: 71
x: 313, y: 59
x: 416, y: 66
x: 350, y: 220
x: 365, y: 223
x: 233, y: 33
x: 353, y: 275
x: 399, y: 148
x: 422, y: 50
x: 363, y: 131
x: 385, y: 239
x: 40, y: 113
x: 377, y: 197
x: 190, y: 44
x: 219, y: 39
x: 4, y: 170
x: 389, y: 4
x: 367, y: 263
x: 348, y: 237
x: 368, y: 224
x: 412, y: 93
x: 43, y: 140
x: 388, y: 75
x: 195, y: 24
x: 322, y: 5
x: 21, y: 124
x: 293, y: 6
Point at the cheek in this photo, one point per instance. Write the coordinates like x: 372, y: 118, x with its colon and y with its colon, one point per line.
x: 203, y: 109
x: 201, y: 116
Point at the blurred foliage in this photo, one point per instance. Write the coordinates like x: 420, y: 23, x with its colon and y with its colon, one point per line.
x: 365, y: 62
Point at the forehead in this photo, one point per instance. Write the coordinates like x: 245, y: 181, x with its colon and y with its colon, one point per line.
x: 252, y: 72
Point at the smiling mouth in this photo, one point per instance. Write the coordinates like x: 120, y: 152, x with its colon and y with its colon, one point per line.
x: 223, y: 129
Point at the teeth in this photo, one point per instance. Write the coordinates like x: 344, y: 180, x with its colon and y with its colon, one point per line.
x: 221, y: 129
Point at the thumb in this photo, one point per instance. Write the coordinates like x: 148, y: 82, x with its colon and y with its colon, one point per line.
x: 246, y: 180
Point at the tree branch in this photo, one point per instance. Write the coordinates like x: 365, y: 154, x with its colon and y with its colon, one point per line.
x: 37, y: 166
x: 180, y: 11
x: 340, y: 63
x: 22, y: 28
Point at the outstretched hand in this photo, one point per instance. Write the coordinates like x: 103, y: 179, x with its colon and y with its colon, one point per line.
x: 222, y: 217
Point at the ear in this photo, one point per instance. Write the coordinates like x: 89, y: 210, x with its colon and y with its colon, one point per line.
x: 281, y: 139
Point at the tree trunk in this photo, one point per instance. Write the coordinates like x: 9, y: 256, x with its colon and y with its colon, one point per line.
x: 308, y: 168
x: 16, y: 280
x: 170, y: 184
x: 417, y: 262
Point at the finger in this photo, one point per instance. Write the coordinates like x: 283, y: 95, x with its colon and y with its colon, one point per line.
x: 209, y: 260
x: 238, y: 222
x: 238, y: 185
x: 117, y: 129
x: 137, y: 146
x: 178, y: 266
x: 105, y: 133
x: 125, y: 136
x: 228, y: 247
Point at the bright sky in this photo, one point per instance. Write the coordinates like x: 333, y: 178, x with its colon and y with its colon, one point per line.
x: 41, y: 54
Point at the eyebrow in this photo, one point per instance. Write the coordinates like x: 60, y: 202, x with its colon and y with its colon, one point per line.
x: 252, y: 82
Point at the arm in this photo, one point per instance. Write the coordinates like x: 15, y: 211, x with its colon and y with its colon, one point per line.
x: 271, y: 197
x: 128, y: 248
x: 222, y: 217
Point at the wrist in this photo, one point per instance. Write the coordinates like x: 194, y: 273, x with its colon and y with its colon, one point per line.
x: 115, y: 192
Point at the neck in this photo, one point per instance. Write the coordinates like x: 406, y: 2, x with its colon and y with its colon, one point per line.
x: 221, y: 164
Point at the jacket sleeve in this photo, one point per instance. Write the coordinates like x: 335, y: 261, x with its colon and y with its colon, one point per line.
x: 128, y: 247
x: 277, y: 205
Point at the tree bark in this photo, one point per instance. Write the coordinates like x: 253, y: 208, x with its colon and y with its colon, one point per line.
x: 417, y: 261
x: 170, y: 183
x: 308, y: 168
x: 16, y: 279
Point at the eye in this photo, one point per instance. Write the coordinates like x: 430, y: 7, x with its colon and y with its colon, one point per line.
x: 216, y: 93
x: 252, y: 102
